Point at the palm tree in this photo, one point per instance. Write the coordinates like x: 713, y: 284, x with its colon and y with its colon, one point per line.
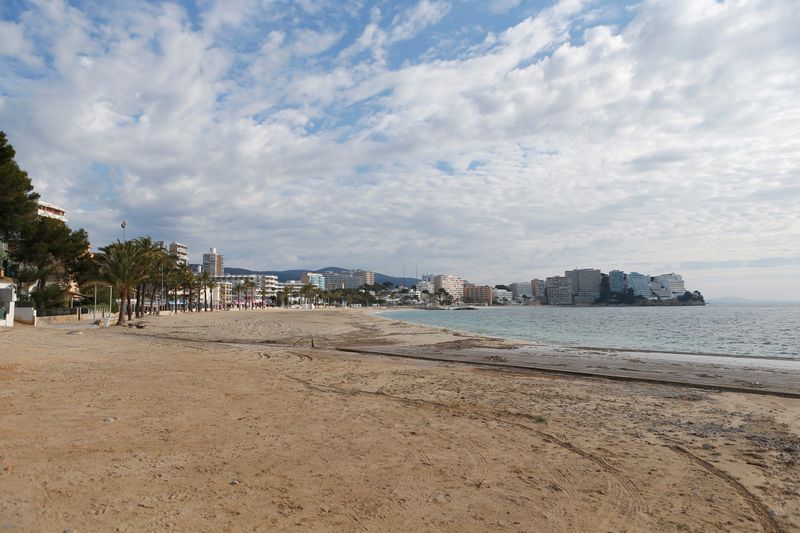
x: 205, y: 281
x: 238, y: 288
x: 187, y: 279
x: 121, y: 265
x: 308, y: 292
x: 154, y: 254
x: 211, y: 285
x: 248, y: 286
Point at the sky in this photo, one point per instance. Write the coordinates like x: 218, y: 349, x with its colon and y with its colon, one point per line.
x: 498, y: 140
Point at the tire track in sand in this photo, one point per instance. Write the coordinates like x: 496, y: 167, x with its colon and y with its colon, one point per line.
x: 768, y: 522
x: 628, y: 495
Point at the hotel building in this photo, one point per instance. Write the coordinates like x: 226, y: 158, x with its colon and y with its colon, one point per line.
x: 352, y: 279
x: 312, y: 278
x: 212, y: 263
x: 640, y: 283
x: 45, y: 209
x: 667, y: 286
x: 585, y: 284
x: 180, y: 251
x: 558, y: 290
x: 478, y: 294
x: 452, y: 284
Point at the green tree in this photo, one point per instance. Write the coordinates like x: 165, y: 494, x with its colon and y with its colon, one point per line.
x: 212, y: 284
x: 121, y: 265
x: 17, y: 201
x: 249, y: 292
x: 238, y: 288
x: 49, y: 248
x: 204, y: 280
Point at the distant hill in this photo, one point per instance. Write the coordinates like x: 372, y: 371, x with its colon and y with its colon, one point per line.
x: 287, y: 275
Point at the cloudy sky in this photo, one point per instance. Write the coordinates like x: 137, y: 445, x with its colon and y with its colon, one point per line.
x: 498, y: 140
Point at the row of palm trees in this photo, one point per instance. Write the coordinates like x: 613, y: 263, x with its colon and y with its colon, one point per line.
x: 143, y: 269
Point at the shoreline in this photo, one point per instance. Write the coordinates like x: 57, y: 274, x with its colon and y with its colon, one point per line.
x: 611, y: 349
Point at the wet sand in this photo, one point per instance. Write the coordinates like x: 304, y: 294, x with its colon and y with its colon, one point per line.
x: 231, y: 421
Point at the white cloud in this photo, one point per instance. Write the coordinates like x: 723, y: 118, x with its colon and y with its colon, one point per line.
x: 426, y: 13
x: 665, y: 140
x: 14, y: 44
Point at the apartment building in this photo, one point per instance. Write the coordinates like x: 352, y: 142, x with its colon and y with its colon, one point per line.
x: 452, y: 284
x: 585, y: 284
x: 539, y: 294
x: 520, y: 289
x: 351, y: 279
x: 558, y: 290
x: 312, y: 278
x: 213, y: 263
x: 180, y: 251
x: 46, y: 209
x: 478, y: 294
x: 667, y: 286
x: 640, y: 283
x: 616, y: 281
x: 264, y: 283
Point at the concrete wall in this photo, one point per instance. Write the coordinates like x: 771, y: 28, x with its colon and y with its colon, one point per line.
x: 25, y: 315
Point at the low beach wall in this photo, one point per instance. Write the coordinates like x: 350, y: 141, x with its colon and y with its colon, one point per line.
x: 25, y: 315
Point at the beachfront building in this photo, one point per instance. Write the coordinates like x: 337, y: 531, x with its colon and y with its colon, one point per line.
x: 585, y: 284
x: 502, y: 296
x: 213, y: 263
x: 453, y: 285
x: 180, y: 251
x: 558, y: 290
x: 349, y: 279
x: 667, y: 286
x: 640, y: 283
x: 312, y: 278
x: 478, y: 294
x: 45, y: 209
x: 523, y: 290
x: 266, y: 286
x: 539, y: 294
x: 616, y: 281
x: 425, y: 285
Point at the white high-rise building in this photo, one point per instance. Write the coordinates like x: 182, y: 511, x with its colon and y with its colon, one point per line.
x: 180, y: 251
x: 45, y: 209
x: 312, y: 278
x: 452, y: 284
x: 520, y: 289
x: 668, y: 286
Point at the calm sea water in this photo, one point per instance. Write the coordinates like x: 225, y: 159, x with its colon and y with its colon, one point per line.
x: 752, y: 331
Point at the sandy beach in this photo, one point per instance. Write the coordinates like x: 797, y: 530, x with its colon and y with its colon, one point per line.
x: 232, y: 421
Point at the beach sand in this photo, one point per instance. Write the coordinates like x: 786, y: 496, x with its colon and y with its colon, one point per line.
x: 231, y: 421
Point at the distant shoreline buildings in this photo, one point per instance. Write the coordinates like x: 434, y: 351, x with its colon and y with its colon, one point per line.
x: 577, y: 287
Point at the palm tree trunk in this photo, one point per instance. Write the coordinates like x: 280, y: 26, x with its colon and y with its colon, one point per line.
x: 121, y: 319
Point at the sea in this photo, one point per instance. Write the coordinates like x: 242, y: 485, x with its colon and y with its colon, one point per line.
x: 744, y: 331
